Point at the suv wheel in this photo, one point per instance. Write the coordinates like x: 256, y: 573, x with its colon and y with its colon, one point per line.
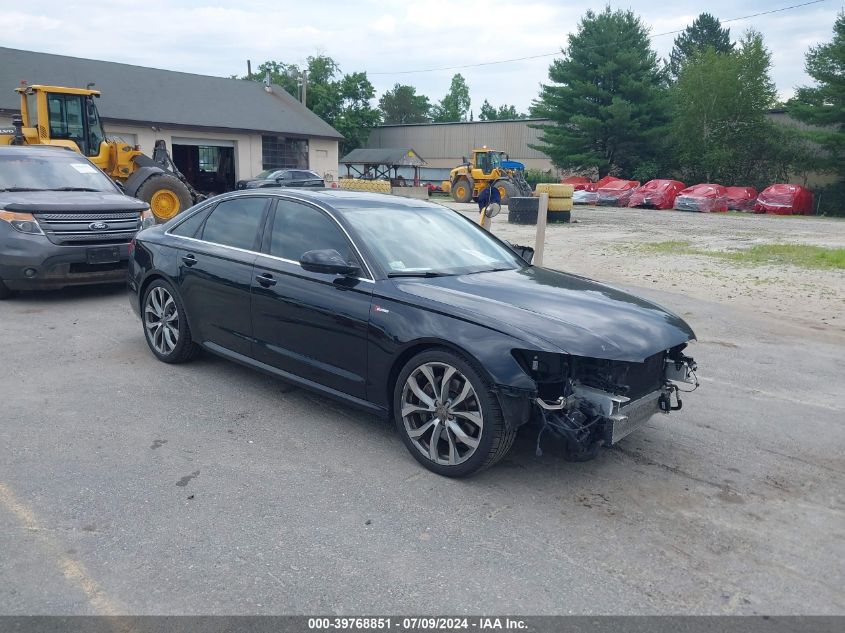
x: 5, y: 291
x: 165, y: 326
x: 447, y: 416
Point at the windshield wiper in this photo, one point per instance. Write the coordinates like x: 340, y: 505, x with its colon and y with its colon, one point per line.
x: 21, y: 189
x: 417, y: 273
x: 72, y: 189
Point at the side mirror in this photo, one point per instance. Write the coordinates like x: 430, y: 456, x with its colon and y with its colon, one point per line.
x: 493, y: 209
x: 327, y: 261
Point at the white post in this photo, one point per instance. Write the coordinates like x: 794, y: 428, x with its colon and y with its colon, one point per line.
x: 540, y: 241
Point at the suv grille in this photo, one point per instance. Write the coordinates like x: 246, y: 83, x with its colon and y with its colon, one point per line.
x: 76, y: 228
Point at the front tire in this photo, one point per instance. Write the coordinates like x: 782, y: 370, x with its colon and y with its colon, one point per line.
x: 166, y: 327
x: 462, y: 191
x: 167, y: 196
x: 5, y: 291
x: 447, y: 416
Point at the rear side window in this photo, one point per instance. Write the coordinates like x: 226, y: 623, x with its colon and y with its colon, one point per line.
x: 298, y: 228
x: 189, y: 227
x: 236, y: 223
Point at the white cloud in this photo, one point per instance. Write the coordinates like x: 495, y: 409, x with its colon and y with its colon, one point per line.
x: 217, y: 38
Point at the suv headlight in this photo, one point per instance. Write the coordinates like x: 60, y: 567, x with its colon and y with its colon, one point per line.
x: 147, y: 219
x: 22, y: 222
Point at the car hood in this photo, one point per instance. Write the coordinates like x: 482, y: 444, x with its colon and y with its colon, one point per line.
x: 68, y: 201
x: 576, y: 315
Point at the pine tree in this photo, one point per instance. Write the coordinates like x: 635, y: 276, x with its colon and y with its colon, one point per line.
x: 605, y: 97
x: 455, y: 105
x: 705, y: 32
x: 824, y: 104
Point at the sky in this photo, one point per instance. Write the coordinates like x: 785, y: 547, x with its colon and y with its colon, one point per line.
x: 386, y: 39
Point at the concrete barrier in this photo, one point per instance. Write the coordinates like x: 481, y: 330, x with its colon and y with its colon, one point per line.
x: 420, y: 193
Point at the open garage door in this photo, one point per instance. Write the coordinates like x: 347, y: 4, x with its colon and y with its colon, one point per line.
x: 208, y: 164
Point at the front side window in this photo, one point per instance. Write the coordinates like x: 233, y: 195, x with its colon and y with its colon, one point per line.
x: 236, y: 222
x: 299, y: 228
x: 67, y: 119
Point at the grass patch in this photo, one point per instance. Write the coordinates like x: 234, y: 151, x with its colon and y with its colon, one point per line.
x: 800, y: 255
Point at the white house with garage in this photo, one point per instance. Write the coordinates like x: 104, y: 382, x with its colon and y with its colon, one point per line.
x: 231, y: 128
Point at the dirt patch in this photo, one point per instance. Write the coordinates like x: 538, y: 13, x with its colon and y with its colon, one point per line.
x: 635, y: 247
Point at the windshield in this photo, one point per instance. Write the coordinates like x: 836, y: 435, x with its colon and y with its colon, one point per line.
x: 431, y: 240
x: 63, y: 171
x: 267, y: 173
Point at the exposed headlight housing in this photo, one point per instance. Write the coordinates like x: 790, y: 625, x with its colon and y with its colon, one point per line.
x: 21, y: 222
x: 147, y: 219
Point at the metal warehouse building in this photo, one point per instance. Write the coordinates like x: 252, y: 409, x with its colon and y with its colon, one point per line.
x: 443, y: 145
x: 231, y: 127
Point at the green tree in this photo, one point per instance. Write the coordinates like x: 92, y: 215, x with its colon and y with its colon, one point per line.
x: 720, y: 128
x: 342, y: 101
x: 455, y: 105
x: 824, y: 104
x: 705, y: 32
x: 402, y: 104
x: 490, y: 113
x: 605, y: 97
x: 356, y: 117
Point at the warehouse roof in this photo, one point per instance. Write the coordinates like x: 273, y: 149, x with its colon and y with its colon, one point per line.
x: 150, y: 95
x: 383, y: 156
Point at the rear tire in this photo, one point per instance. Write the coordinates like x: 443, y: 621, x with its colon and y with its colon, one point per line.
x: 167, y: 196
x: 506, y: 190
x: 440, y: 385
x: 165, y: 324
x: 5, y: 291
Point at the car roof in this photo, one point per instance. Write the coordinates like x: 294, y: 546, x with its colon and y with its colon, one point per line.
x: 37, y: 150
x: 341, y: 199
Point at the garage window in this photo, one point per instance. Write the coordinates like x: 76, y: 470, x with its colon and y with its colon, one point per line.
x: 281, y: 152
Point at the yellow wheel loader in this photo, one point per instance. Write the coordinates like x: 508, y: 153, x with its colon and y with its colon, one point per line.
x: 68, y: 117
x: 469, y: 179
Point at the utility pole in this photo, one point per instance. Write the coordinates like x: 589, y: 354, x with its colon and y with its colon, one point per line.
x: 304, y: 88
x: 248, y: 69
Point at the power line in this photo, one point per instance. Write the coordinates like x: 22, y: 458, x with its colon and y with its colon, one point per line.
x: 528, y: 57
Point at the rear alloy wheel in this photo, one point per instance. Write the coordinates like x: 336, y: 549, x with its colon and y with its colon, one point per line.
x: 447, y: 417
x: 165, y: 326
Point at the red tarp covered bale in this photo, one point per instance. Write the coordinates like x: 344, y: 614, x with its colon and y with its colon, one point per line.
x: 704, y: 198
x: 785, y: 200
x: 741, y: 198
x: 656, y: 194
x: 616, y: 193
x: 580, y: 183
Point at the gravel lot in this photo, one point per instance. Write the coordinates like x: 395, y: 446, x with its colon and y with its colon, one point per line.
x: 129, y: 486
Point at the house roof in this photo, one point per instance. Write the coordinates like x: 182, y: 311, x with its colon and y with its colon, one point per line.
x: 383, y: 156
x: 162, y: 97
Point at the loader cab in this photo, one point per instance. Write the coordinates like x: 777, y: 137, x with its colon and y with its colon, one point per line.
x: 64, y: 116
x: 487, y: 160
x: 74, y: 117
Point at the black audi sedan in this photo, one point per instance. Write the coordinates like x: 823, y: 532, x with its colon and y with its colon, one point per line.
x: 409, y: 310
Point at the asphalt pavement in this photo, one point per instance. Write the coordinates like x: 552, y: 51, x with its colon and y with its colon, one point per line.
x: 131, y: 486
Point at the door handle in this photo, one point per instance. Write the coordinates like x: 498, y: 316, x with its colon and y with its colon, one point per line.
x: 266, y: 280
x: 189, y: 259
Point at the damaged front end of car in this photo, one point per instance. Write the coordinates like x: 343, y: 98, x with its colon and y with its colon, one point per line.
x: 590, y: 403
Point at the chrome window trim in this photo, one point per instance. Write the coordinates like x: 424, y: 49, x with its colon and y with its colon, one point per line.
x: 276, y: 196
x: 258, y: 253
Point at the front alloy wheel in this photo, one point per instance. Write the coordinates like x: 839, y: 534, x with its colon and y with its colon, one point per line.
x: 441, y: 413
x: 447, y: 415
